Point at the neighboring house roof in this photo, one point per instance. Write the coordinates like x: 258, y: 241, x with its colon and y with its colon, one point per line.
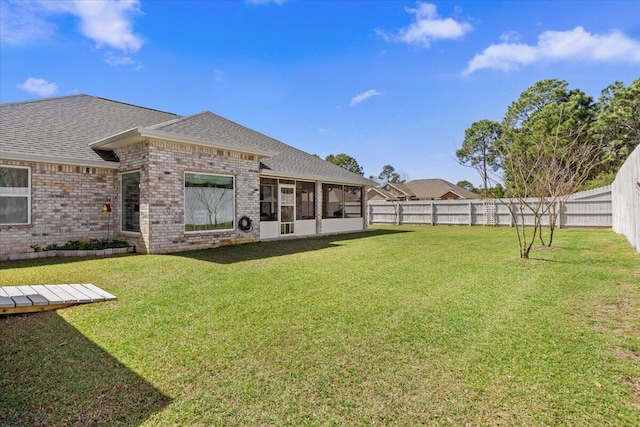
x: 381, y: 192
x: 401, y: 189
x: 436, y: 188
x: 421, y: 189
x: 75, y: 128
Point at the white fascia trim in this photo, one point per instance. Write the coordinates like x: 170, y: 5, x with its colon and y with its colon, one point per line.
x: 139, y: 134
x: 60, y: 160
x: 304, y: 177
x: 399, y: 189
x: 377, y: 190
x: 451, y: 191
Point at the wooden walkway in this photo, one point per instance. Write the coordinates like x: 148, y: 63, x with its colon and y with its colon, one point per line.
x: 26, y: 299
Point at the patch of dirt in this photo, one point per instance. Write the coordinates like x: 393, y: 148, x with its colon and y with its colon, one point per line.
x: 626, y: 354
x: 633, y: 383
x: 618, y: 316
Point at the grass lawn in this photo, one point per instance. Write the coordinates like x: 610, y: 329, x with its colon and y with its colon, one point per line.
x: 395, y: 326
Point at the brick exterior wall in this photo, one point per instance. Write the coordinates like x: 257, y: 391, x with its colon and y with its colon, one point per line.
x: 162, y: 166
x: 67, y: 201
x: 66, y: 204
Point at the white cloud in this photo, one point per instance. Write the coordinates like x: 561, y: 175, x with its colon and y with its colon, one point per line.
x: 118, y: 60
x: 365, y: 95
x: 38, y: 86
x: 121, y: 60
x: 23, y: 22
x: 573, y: 45
x: 510, y: 37
x: 427, y: 27
x: 106, y: 22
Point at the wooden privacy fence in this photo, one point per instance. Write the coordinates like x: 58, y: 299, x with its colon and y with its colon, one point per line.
x: 571, y: 213
x: 626, y: 200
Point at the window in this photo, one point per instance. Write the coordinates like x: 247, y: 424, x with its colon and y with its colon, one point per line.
x: 131, y: 202
x: 341, y: 201
x: 15, y: 195
x: 268, y: 199
x: 209, y: 202
x: 305, y: 200
x: 352, y: 202
x: 332, y: 201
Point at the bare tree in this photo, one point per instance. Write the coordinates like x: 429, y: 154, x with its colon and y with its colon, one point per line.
x: 212, y: 200
x: 541, y: 176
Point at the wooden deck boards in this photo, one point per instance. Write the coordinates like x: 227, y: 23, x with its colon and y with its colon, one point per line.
x: 25, y: 299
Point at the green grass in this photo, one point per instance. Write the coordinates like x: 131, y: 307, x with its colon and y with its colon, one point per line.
x: 396, y: 326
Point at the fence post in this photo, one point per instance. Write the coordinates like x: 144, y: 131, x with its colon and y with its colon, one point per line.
x: 511, y: 214
x: 433, y: 213
x: 559, y: 214
x: 470, y: 214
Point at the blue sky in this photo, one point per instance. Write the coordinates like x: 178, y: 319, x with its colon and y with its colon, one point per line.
x: 387, y: 82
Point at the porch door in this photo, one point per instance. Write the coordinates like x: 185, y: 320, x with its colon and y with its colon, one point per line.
x: 287, y: 208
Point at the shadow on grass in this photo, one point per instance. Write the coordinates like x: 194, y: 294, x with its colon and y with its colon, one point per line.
x: 23, y: 263
x: 52, y: 375
x: 276, y: 248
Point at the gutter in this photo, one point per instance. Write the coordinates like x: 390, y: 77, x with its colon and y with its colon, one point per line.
x: 325, y: 179
x: 60, y: 160
x: 134, y: 135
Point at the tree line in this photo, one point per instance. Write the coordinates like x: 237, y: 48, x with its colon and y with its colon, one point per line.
x: 550, y: 118
x: 552, y: 142
x: 388, y: 174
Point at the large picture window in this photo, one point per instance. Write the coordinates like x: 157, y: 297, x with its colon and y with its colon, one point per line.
x: 305, y: 200
x: 15, y: 195
x: 131, y: 202
x: 209, y: 202
x: 341, y: 201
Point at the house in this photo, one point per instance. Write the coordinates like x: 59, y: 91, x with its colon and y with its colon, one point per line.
x: 419, y: 189
x: 83, y: 167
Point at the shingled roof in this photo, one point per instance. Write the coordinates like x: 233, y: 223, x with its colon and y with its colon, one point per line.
x: 436, y: 188
x: 63, y: 128
x: 422, y: 189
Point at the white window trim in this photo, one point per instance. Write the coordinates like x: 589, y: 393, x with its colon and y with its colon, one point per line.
x: 121, y: 208
x: 184, y: 203
x: 27, y: 196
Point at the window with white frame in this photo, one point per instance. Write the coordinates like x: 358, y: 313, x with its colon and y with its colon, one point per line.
x: 15, y: 195
x: 209, y: 202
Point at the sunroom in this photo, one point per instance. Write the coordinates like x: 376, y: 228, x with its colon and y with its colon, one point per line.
x: 298, y: 207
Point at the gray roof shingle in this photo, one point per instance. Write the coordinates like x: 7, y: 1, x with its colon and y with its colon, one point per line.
x: 64, y: 127
x: 436, y: 188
